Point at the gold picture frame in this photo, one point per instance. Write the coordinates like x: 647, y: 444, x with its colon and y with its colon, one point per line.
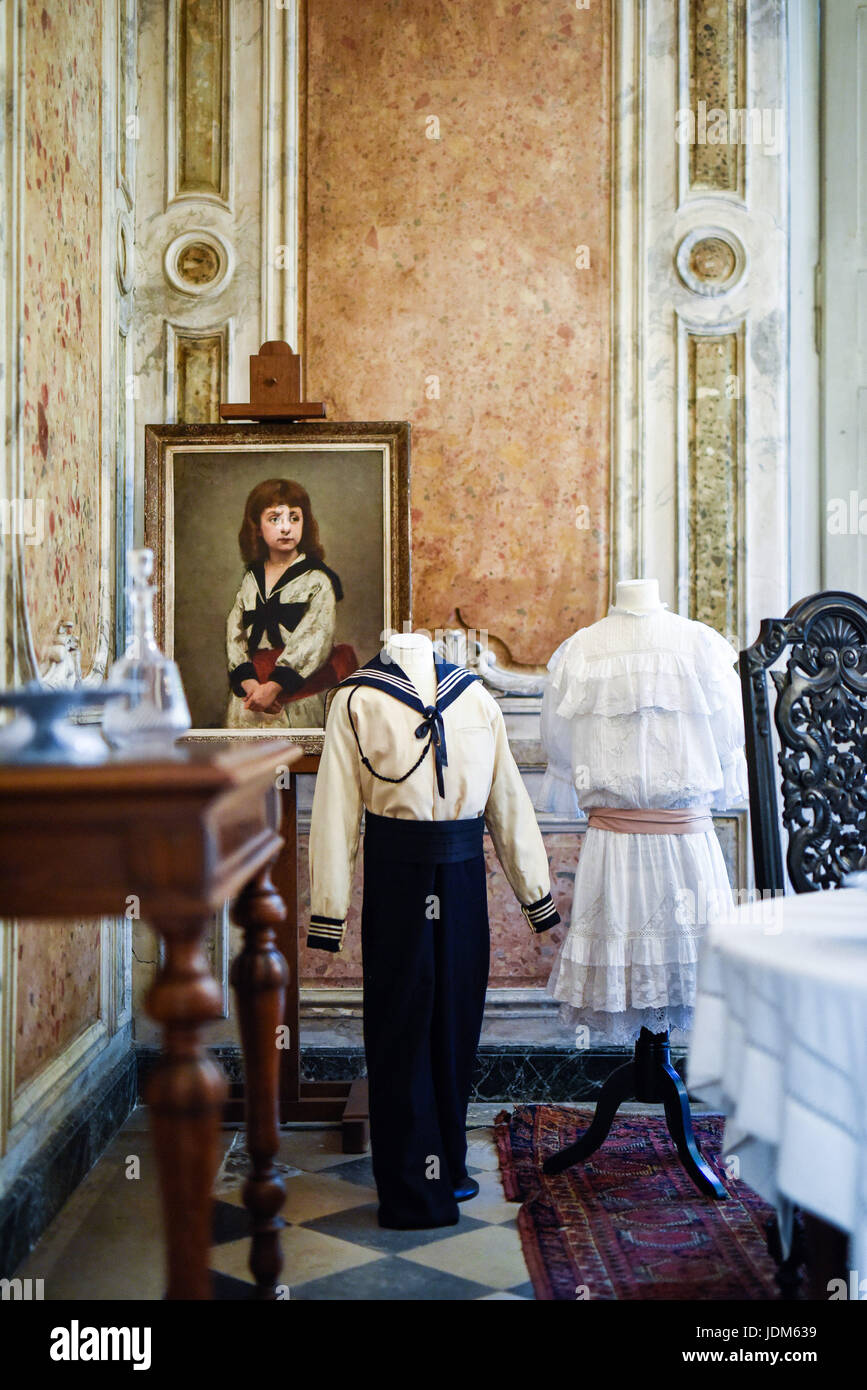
x: 197, y: 478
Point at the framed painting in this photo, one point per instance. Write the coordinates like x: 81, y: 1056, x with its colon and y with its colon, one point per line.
x: 282, y: 559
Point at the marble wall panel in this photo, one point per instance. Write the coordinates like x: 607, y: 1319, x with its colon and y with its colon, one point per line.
x: 58, y: 964
x: 202, y: 42
x: 199, y: 376
x: 714, y: 478
x: 717, y: 81
x: 712, y: 203
x: 444, y: 285
x: 68, y: 80
x: 61, y: 332
x: 57, y: 991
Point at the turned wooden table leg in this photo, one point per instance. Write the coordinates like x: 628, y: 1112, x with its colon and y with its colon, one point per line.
x: 260, y: 976
x: 186, y: 1094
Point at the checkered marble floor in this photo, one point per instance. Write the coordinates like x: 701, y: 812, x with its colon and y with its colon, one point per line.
x: 334, y: 1248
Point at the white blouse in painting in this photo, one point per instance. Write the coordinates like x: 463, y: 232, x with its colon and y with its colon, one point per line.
x: 640, y: 711
x: 296, y: 619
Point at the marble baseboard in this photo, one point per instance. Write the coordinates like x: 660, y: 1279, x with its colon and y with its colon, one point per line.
x: 228, y: 1055
x: 503, y: 1072
x: 55, y: 1170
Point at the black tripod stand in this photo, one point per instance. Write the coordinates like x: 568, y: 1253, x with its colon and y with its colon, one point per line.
x: 648, y: 1077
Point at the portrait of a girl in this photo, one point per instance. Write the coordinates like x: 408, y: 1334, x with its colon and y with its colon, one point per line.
x: 280, y: 632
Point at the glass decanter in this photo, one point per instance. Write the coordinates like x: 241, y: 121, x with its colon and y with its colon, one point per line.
x: 147, y: 722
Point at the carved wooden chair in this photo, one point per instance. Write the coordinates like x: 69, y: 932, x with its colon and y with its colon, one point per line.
x: 804, y: 684
x: 816, y: 786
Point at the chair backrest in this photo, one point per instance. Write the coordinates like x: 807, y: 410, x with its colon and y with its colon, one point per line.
x: 817, y: 784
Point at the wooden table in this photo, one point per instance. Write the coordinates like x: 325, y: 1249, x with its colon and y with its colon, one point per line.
x: 183, y: 835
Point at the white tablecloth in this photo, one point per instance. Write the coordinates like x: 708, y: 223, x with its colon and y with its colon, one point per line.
x: 780, y: 1046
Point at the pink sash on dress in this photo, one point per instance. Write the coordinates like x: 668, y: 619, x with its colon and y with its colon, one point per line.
x: 641, y: 821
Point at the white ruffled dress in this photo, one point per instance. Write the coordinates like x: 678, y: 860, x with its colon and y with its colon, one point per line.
x: 642, y: 711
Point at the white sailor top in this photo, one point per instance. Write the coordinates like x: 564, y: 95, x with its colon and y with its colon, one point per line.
x: 299, y: 616
x: 460, y: 766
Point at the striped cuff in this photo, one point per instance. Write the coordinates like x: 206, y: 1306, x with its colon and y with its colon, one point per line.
x: 326, y: 933
x: 541, y: 915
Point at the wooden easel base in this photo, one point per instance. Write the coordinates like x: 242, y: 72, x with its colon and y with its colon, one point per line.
x: 303, y: 1101
x: 334, y: 1100
x: 320, y: 1102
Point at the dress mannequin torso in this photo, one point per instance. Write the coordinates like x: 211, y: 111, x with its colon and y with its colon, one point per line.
x: 413, y: 652
x: 642, y: 715
x: 638, y: 596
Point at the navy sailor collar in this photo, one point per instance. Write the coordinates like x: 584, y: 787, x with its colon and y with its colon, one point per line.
x: 391, y: 679
x: 293, y: 571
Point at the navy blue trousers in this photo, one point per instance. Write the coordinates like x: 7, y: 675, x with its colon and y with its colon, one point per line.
x: 426, y: 954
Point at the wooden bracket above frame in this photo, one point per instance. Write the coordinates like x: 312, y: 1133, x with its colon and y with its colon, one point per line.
x: 275, y: 388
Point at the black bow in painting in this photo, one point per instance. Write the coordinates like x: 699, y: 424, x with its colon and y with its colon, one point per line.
x: 269, y: 616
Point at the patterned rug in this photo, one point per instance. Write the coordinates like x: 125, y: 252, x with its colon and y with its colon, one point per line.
x: 628, y: 1223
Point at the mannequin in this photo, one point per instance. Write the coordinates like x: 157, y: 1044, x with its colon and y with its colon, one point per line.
x: 414, y: 653
x: 641, y: 720
x: 420, y: 746
x: 638, y: 596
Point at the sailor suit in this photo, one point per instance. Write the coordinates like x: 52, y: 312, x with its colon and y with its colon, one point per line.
x: 428, y: 779
x: 297, y: 618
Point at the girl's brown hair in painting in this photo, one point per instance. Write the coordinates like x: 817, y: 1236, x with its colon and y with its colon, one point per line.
x: 277, y: 492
